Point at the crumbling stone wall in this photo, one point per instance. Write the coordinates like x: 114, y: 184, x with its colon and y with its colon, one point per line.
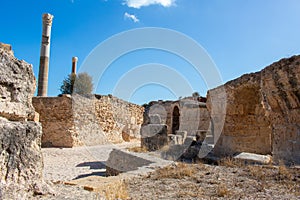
x: 193, y: 115
x: 56, y: 116
x: 119, y: 119
x: 87, y: 120
x: 172, y: 122
x: 21, y: 161
x: 281, y: 89
x: 262, y: 114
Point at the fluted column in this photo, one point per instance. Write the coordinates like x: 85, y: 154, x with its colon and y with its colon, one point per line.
x: 44, y: 55
x: 74, y: 65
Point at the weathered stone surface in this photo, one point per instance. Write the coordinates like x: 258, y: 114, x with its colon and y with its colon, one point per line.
x: 154, y: 136
x: 119, y: 162
x: 21, y: 161
x: 57, y: 119
x: 254, y: 158
x: 263, y: 112
x: 76, y: 120
x: 118, y: 117
x: 193, y: 115
x: 155, y: 119
x: 7, y: 48
x: 17, y: 85
x: 87, y: 128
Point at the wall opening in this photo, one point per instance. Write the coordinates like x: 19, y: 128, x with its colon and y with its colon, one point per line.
x: 175, y: 119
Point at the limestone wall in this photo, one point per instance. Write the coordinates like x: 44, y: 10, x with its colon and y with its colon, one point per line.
x: 192, y: 115
x: 263, y: 112
x: 120, y: 120
x: 281, y: 90
x: 57, y: 120
x: 87, y: 120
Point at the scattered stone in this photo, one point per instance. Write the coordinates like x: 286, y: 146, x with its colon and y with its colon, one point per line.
x: 254, y: 158
x: 119, y: 162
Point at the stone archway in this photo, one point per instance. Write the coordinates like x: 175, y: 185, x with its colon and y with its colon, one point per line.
x: 175, y: 119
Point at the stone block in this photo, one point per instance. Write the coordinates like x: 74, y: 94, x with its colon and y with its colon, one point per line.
x: 154, y: 136
x: 155, y: 119
x: 120, y: 162
x: 254, y: 158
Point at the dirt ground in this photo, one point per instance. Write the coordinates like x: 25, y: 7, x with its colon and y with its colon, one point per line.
x: 201, y: 181
x: 227, y: 180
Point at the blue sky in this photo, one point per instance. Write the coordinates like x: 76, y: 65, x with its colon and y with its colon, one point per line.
x: 241, y: 36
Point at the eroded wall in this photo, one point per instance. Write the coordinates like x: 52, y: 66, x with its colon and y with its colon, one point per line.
x: 120, y: 120
x: 193, y: 115
x: 262, y: 112
x: 57, y: 120
x: 87, y: 120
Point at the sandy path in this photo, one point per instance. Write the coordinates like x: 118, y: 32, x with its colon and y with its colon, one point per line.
x: 64, y: 164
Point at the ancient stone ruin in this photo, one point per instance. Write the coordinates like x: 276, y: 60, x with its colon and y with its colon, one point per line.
x: 260, y: 113
x: 263, y: 112
x: 21, y: 161
x: 175, y: 123
x: 76, y: 120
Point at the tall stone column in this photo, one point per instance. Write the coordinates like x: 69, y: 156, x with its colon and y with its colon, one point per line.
x: 74, y: 65
x: 44, y: 55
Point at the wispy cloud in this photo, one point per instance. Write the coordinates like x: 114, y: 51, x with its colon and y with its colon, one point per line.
x: 141, y: 3
x: 131, y: 17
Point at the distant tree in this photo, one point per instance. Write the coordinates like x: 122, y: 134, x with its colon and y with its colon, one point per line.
x: 83, y: 84
x: 79, y: 84
x: 68, y: 84
x: 196, y: 95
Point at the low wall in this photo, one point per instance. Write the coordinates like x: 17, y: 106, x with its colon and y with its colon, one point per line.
x: 76, y: 120
x: 120, y: 120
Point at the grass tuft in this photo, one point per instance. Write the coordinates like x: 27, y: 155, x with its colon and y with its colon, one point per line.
x: 231, y: 162
x: 222, y: 191
x: 179, y: 171
x: 118, y: 190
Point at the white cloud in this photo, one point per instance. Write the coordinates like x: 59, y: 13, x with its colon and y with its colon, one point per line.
x: 140, y: 3
x: 132, y: 17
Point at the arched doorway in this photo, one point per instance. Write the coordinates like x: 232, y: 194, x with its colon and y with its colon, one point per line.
x: 175, y: 119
